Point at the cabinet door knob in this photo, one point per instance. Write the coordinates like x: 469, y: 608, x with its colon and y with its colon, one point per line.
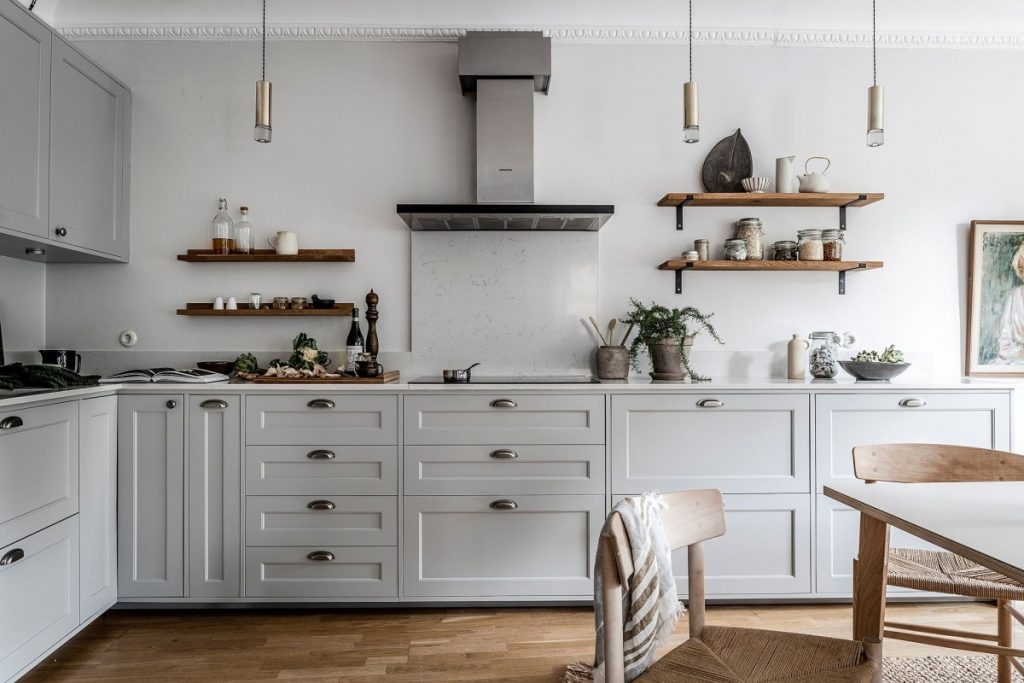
x: 320, y: 556
x: 913, y: 403
x: 321, y: 403
x: 505, y: 504
x: 320, y: 454
x: 504, y: 454
x: 503, y: 403
x: 710, y: 403
x: 172, y: 404
x: 12, y: 422
x: 11, y: 557
x: 320, y: 505
x: 214, y: 403
x: 60, y: 231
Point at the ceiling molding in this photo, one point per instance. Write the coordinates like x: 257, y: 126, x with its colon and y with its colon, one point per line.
x: 627, y: 34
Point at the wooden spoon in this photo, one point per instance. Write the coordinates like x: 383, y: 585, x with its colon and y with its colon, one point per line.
x: 598, y: 330
x: 611, y: 330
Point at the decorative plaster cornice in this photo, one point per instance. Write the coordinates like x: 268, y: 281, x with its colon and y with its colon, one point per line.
x: 627, y: 34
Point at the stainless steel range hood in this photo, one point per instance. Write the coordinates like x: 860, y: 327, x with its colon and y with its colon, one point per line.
x: 505, y: 69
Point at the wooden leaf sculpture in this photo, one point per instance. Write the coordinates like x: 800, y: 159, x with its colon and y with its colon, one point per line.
x: 728, y: 163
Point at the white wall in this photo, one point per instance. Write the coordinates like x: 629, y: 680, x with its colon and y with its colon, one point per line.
x: 22, y: 304
x: 359, y: 127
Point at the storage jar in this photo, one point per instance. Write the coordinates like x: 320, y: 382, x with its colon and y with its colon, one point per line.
x: 750, y: 231
x: 832, y: 242
x: 784, y: 250
x: 811, y: 248
x: 824, y: 355
x: 736, y: 250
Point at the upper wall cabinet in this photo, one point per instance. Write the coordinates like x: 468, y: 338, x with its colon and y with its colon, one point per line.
x: 64, y: 148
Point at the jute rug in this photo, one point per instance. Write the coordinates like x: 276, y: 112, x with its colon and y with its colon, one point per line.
x: 955, y: 669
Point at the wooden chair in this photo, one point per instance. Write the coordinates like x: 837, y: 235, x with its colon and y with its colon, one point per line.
x: 941, y: 571
x: 715, y: 653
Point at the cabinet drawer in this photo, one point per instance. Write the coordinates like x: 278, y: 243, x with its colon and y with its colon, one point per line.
x: 462, y: 546
x: 321, y: 520
x: 738, y: 443
x: 498, y: 469
x: 474, y: 418
x: 310, y: 419
x: 961, y: 419
x: 39, y: 594
x: 38, y: 468
x: 289, y: 573
x: 280, y: 470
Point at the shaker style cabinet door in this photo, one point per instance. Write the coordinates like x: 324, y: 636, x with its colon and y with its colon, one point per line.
x: 214, y: 496
x: 97, y: 517
x: 150, y: 496
x: 89, y: 124
x: 24, y: 121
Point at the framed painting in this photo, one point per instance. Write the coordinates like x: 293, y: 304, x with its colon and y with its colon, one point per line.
x: 995, y: 300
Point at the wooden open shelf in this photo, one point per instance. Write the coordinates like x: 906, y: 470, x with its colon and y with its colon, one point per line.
x: 270, y: 256
x: 206, y: 309
x: 833, y: 199
x: 841, y: 267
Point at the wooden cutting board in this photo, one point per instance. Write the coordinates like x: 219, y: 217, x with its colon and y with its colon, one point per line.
x: 386, y: 378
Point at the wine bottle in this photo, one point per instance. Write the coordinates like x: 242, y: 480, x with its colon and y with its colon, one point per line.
x: 354, y: 344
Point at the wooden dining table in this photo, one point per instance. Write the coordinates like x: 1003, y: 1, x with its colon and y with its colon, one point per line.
x: 983, y: 522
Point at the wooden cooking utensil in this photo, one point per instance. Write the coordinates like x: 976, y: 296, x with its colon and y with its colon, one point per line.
x: 598, y: 330
x: 611, y: 330
x: 626, y: 336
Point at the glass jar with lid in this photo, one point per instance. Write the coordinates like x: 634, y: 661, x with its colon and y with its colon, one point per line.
x: 824, y: 354
x: 736, y: 250
x: 750, y: 231
x: 832, y: 242
x: 784, y: 250
x: 811, y: 248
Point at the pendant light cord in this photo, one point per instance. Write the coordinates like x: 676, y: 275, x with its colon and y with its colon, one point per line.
x: 874, y: 47
x: 265, y: 40
x: 690, y: 36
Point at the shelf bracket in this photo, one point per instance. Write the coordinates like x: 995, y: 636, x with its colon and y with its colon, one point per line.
x: 842, y: 210
x: 679, y: 281
x: 679, y: 212
x: 842, y: 276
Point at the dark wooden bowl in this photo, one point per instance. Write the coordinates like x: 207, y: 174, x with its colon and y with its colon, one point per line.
x: 224, y: 367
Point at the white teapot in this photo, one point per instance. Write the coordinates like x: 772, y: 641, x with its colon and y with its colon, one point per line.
x: 814, y: 182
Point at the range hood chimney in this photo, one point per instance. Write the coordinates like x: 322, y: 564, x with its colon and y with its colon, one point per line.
x: 504, y: 69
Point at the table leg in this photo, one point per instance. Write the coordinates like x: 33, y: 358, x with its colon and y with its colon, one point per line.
x: 872, y: 570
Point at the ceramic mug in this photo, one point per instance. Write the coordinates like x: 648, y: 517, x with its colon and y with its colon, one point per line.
x: 65, y: 358
x: 285, y: 242
x: 369, y: 368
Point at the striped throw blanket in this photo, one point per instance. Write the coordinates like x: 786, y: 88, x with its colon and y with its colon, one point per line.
x: 651, y: 606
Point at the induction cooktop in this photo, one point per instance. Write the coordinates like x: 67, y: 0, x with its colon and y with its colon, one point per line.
x: 513, y: 379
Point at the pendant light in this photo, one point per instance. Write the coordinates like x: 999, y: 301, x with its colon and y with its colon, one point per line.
x: 876, y: 96
x: 263, y: 96
x: 691, y: 118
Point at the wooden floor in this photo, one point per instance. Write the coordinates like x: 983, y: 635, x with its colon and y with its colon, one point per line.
x: 514, y: 644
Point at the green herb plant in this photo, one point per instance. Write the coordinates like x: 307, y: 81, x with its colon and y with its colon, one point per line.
x: 654, y: 323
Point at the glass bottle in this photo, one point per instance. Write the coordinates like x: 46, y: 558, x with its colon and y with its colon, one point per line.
x: 243, y: 233
x: 354, y: 344
x: 223, y: 227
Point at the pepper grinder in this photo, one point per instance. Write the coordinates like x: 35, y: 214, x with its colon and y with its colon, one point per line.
x: 372, y: 345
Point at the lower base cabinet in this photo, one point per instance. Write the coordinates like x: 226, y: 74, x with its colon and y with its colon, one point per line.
x: 97, y: 517
x: 489, y: 546
x: 321, y: 572
x: 39, y: 594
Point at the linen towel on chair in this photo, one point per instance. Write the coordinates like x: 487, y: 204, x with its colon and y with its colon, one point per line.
x: 650, y: 604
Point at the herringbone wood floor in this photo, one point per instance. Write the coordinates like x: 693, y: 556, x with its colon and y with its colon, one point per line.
x: 517, y: 645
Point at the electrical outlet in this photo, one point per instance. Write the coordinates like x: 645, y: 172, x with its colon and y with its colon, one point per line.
x: 128, y: 338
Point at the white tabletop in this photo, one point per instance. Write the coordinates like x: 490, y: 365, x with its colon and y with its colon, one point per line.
x: 983, y: 522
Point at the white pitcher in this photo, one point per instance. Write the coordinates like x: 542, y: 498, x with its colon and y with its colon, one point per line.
x: 785, y: 179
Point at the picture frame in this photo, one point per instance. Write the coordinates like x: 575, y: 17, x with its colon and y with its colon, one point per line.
x: 995, y: 300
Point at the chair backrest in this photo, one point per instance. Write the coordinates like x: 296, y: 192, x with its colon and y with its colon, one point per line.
x: 920, y: 462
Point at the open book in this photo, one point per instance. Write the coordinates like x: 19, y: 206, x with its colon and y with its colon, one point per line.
x: 193, y: 376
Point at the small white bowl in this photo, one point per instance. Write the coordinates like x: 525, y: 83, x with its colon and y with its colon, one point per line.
x: 757, y: 184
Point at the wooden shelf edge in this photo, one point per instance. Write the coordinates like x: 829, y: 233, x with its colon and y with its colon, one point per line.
x: 825, y: 199
x: 207, y: 310
x: 270, y: 256
x: 771, y: 266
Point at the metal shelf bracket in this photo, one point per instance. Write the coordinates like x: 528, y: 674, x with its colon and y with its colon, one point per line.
x: 679, y: 281
x: 679, y: 213
x: 842, y: 276
x: 842, y: 211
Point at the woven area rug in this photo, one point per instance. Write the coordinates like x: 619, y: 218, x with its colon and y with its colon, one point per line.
x: 955, y: 669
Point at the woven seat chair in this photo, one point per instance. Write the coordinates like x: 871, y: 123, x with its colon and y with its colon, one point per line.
x: 713, y: 653
x: 942, y: 571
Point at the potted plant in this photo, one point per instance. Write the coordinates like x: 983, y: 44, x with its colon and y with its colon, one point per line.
x: 666, y: 334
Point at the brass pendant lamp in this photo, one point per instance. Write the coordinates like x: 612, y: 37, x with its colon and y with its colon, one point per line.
x: 263, y: 92
x: 876, y: 96
x: 691, y: 113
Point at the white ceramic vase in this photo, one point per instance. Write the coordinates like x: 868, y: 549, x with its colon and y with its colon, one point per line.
x: 785, y: 178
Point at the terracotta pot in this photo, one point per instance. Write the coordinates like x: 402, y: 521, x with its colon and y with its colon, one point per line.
x: 613, y: 362
x: 666, y: 358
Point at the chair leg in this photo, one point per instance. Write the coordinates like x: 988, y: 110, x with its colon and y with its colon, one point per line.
x: 873, y: 652
x: 1005, y: 631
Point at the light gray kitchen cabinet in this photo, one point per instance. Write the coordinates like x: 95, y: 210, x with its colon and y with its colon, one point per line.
x: 962, y: 418
x: 314, y: 420
x: 326, y: 468
x: 89, y: 156
x: 38, y: 468
x: 39, y: 594
x: 151, y: 496
x: 97, y: 519
x: 496, y: 469
x: 25, y: 116
x: 500, y: 546
x: 738, y: 443
x: 325, y: 572
x: 331, y: 520
x: 511, y: 418
x: 214, y: 496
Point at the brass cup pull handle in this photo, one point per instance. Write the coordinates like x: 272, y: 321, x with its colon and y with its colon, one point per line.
x: 505, y: 504
x: 321, y: 403
x: 12, y: 422
x: 321, y: 505
x: 503, y: 403
x: 710, y: 403
x: 320, y: 454
x: 320, y: 556
x: 504, y: 454
x: 11, y: 557
x: 214, y: 403
x: 913, y: 403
